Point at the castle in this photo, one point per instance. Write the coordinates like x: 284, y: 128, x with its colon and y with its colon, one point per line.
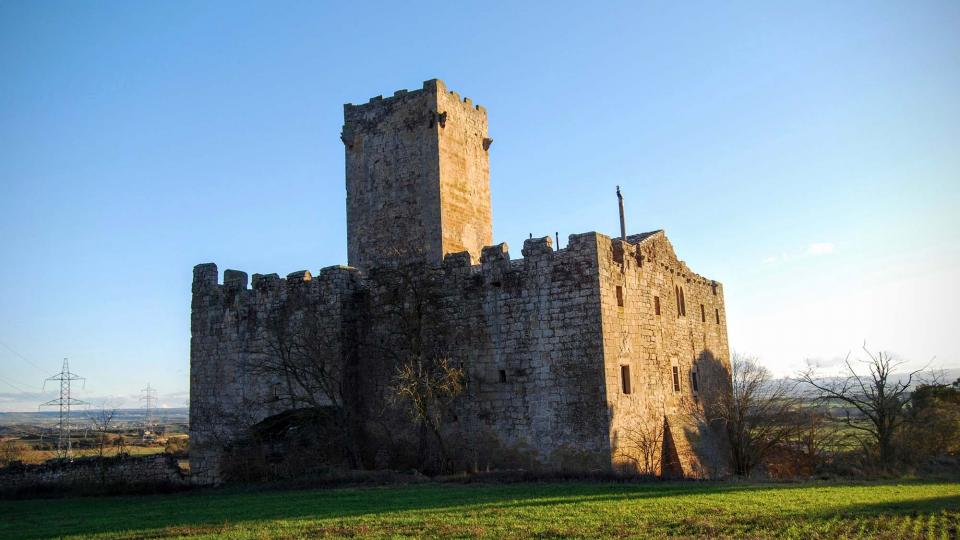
x: 594, y: 357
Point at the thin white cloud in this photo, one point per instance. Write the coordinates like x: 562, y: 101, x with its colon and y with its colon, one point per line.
x: 820, y: 248
x: 814, y: 249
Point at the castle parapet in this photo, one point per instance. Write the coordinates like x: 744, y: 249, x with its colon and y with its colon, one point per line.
x: 432, y: 86
x: 537, y: 246
x: 583, y: 242
x: 300, y: 276
x: 205, y: 276
x: 265, y: 281
x: 235, y: 279
x: 461, y: 259
x: 495, y: 253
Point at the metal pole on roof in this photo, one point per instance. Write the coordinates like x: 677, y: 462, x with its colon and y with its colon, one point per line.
x: 623, y: 224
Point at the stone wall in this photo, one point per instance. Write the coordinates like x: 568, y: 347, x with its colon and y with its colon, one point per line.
x: 417, y: 177
x: 85, y: 472
x: 688, y: 335
x: 526, y: 332
x: 232, y: 340
x: 466, y: 216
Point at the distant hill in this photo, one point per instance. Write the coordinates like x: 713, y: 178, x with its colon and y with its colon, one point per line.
x: 176, y: 415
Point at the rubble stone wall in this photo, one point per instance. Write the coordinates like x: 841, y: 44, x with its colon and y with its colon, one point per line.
x: 688, y: 335
x: 231, y: 341
x: 526, y: 332
x: 159, y: 470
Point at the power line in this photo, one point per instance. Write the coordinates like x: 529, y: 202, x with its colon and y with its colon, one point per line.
x: 22, y: 357
x: 16, y: 386
x: 64, y: 402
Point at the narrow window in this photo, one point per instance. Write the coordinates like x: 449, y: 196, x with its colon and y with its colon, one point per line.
x: 694, y: 381
x: 683, y: 303
x: 503, y: 375
x: 656, y: 304
x: 676, y: 379
x: 703, y: 314
x: 625, y: 379
x: 716, y: 313
x: 676, y: 290
x: 619, y: 296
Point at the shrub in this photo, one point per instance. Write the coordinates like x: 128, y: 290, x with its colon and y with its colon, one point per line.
x: 177, y: 446
x: 12, y: 451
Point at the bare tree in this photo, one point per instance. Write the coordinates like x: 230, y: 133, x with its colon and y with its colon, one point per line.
x: 756, y: 413
x: 102, y: 423
x: 877, y: 397
x: 306, y: 356
x: 427, y: 388
x: 425, y: 382
x: 640, y: 443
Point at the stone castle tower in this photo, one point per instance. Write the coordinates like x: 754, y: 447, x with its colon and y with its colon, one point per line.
x: 418, y: 177
x: 572, y: 357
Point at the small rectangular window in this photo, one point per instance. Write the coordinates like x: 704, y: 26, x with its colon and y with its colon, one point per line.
x: 676, y: 379
x: 619, y: 296
x: 716, y: 313
x: 503, y: 375
x: 625, y: 379
x: 703, y: 314
x: 656, y: 304
x: 694, y: 381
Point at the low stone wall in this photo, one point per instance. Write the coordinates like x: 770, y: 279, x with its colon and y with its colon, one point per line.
x: 86, y: 472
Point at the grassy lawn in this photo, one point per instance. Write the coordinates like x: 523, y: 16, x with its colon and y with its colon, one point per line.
x: 886, y: 510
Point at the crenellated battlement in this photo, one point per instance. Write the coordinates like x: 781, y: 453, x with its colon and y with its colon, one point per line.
x: 452, y: 98
x: 534, y: 250
x: 206, y: 278
x: 380, y: 105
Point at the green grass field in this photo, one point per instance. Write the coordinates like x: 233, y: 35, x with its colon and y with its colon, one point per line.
x: 884, y: 510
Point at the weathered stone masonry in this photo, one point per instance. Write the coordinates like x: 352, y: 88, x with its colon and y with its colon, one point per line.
x: 543, y: 339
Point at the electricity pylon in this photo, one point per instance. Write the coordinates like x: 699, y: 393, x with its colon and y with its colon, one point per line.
x: 64, y: 402
x: 148, y: 398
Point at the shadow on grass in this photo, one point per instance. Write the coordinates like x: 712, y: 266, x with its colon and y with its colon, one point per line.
x: 210, y: 510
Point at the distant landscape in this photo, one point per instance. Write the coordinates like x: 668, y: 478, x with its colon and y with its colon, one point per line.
x: 179, y: 415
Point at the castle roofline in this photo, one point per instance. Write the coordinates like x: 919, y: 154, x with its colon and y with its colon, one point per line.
x: 431, y: 86
x: 642, y: 237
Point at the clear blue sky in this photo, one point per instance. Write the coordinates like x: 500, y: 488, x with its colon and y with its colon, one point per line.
x: 808, y: 157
